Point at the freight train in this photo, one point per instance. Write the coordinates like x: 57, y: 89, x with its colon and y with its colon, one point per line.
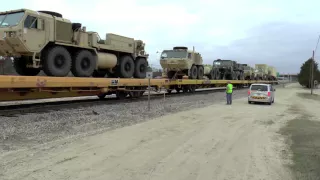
x: 44, y: 40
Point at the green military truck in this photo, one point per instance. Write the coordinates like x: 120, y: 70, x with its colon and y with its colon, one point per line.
x: 44, y: 40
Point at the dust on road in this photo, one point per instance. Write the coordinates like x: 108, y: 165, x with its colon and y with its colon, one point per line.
x: 216, y: 142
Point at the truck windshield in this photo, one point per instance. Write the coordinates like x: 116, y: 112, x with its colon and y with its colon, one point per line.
x: 217, y: 63
x: 174, y: 54
x: 259, y: 88
x: 11, y: 19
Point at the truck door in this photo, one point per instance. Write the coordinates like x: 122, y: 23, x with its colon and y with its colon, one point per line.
x: 34, y: 35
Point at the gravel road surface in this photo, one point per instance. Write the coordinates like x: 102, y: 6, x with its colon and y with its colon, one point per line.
x: 205, y: 140
x: 41, y: 125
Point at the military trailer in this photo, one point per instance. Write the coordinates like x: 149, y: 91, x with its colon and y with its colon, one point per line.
x: 225, y: 69
x: 44, y: 40
x: 180, y: 62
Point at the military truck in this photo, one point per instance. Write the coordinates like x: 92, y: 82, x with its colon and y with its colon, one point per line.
x: 248, y: 72
x: 44, y: 40
x: 272, y: 73
x: 239, y: 71
x: 261, y: 71
x: 180, y: 61
x: 225, y: 69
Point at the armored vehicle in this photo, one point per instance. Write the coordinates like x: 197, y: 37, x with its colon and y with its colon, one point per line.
x: 44, y: 40
x: 180, y: 62
x: 225, y: 69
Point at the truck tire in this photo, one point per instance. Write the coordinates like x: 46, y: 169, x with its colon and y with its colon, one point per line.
x: 193, y: 72
x: 216, y: 74
x: 20, y: 66
x: 76, y: 26
x: 170, y: 74
x: 234, y: 76
x: 126, y: 67
x: 200, y: 72
x: 57, y: 61
x: 210, y: 75
x: 140, y: 68
x: 83, y: 64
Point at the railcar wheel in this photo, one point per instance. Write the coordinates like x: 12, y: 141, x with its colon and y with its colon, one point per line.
x: 121, y: 95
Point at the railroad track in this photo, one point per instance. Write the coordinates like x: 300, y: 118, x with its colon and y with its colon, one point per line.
x: 43, y: 107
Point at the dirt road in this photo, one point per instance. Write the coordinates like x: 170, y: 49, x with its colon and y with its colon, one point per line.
x: 216, y: 142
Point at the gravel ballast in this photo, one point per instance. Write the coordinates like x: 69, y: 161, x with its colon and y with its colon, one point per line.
x: 27, y: 130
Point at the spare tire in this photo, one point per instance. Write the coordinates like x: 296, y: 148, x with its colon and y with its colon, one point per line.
x: 52, y: 13
x: 76, y: 26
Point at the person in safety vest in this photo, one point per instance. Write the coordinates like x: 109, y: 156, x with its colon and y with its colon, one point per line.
x: 229, y: 92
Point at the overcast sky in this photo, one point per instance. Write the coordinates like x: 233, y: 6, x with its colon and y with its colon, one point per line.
x: 281, y: 33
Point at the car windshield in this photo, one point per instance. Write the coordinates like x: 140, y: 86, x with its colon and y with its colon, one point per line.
x: 259, y: 88
x: 11, y: 19
x: 174, y: 54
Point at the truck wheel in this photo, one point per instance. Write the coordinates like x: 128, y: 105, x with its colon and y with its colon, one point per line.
x: 210, y: 75
x: 216, y: 74
x: 200, y: 72
x: 20, y: 65
x: 83, y: 64
x: 140, y: 68
x: 126, y: 67
x: 193, y: 72
x: 57, y: 61
x: 170, y: 74
x: 234, y: 76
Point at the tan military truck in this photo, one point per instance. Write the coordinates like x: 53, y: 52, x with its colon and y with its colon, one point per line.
x: 261, y: 71
x: 272, y: 73
x: 44, y: 40
x: 248, y: 72
x: 180, y: 62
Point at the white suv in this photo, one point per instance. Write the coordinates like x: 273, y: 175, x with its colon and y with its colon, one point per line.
x: 261, y: 93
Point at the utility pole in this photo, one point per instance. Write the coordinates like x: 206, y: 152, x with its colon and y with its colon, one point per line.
x: 312, y: 67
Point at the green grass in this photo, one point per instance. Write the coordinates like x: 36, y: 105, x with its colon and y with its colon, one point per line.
x: 305, y: 146
x: 309, y: 96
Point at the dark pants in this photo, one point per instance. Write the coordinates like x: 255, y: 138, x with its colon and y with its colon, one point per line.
x: 229, y: 98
